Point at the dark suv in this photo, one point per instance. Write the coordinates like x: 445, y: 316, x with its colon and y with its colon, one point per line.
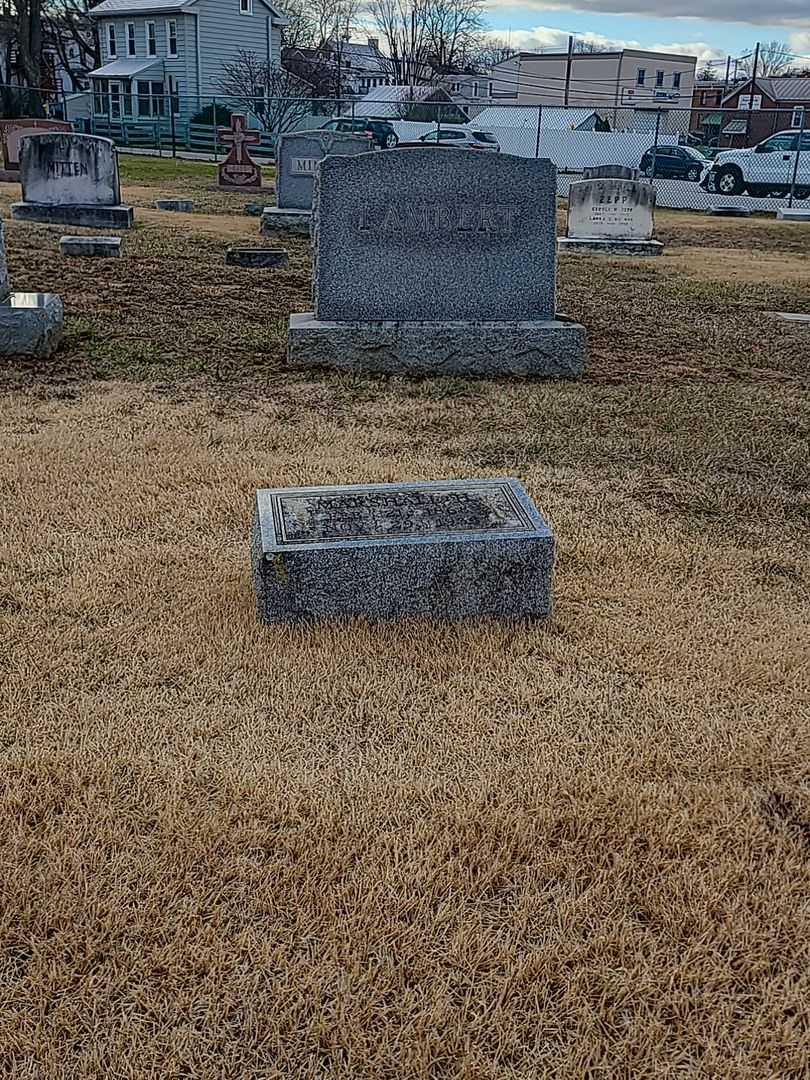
x: 379, y: 131
x: 680, y: 162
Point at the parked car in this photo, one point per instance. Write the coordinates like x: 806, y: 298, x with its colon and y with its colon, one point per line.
x: 380, y: 132
x: 766, y: 169
x: 471, y: 138
x: 678, y: 162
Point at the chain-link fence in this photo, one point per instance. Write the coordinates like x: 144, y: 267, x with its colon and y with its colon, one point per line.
x: 752, y: 158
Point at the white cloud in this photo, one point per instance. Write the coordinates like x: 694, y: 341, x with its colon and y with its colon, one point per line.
x: 753, y: 12
x: 800, y: 43
x: 549, y: 39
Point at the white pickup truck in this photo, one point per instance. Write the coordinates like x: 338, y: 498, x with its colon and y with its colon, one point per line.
x: 765, y: 169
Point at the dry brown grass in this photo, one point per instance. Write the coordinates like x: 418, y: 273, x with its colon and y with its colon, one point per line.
x: 489, y: 850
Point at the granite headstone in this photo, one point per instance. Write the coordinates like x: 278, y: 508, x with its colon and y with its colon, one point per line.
x: 436, y: 262
x: 298, y: 154
x: 71, y: 179
x: 448, y: 549
x: 612, y: 217
x: 239, y: 172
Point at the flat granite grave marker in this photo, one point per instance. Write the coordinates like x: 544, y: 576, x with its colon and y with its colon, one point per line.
x: 71, y: 179
x: 610, y: 217
x: 610, y: 172
x: 436, y: 263
x: 239, y: 172
x: 257, y: 258
x: 98, y: 247
x: 298, y: 155
x: 30, y: 322
x: 449, y: 549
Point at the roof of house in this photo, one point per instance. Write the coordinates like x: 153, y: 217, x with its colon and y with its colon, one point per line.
x: 146, y: 7
x: 777, y: 88
x: 386, y: 101
x: 552, y: 117
x: 362, y: 56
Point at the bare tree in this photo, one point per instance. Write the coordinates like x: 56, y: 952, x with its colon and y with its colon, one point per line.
x: 27, y: 16
x: 277, y: 98
x: 453, y: 29
x: 301, y: 31
x: 73, y: 35
x: 582, y: 46
x: 403, y: 29
x: 774, y: 59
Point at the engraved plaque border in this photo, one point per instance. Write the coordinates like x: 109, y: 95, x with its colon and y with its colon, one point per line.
x: 526, y: 523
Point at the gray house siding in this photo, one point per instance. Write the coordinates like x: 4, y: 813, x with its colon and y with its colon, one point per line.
x: 224, y: 32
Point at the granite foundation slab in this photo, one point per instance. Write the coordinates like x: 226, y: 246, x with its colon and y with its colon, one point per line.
x: 791, y: 317
x: 277, y: 220
x: 441, y: 549
x: 538, y: 348
x: 91, y: 247
x: 728, y: 211
x: 257, y: 258
x: 90, y: 217
x: 567, y: 245
x: 793, y: 214
x: 31, y: 324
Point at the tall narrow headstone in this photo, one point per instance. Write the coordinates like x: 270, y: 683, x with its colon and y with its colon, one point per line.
x: 439, y: 262
x: 71, y: 180
x: 30, y: 323
x: 298, y: 154
x: 610, y: 217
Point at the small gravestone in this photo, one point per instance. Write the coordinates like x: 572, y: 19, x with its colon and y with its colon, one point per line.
x: 436, y: 263
x: 239, y: 172
x: 728, y: 211
x: 180, y: 206
x: 610, y: 172
x: 611, y: 217
x: 449, y: 549
x: 12, y: 131
x: 793, y: 214
x: 257, y: 258
x: 30, y: 322
x: 298, y: 154
x: 99, y: 247
x: 71, y: 180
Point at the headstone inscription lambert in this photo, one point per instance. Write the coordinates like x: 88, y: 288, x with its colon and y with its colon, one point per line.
x: 30, y: 323
x: 298, y: 154
x: 448, y: 549
x: 610, y: 217
x: 71, y: 180
x: 436, y: 262
x: 239, y: 172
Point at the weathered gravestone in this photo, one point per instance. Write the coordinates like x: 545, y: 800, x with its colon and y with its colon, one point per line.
x: 239, y: 172
x: 91, y: 247
x: 298, y: 154
x: 436, y: 262
x: 610, y: 172
x: 12, y: 131
x: 71, y: 180
x: 257, y: 258
x: 448, y: 549
x: 611, y: 217
x: 30, y: 323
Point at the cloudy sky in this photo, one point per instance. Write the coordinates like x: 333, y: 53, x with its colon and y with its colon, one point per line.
x: 733, y: 26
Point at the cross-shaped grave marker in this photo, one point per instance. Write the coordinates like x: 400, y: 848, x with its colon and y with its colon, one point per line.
x: 239, y: 170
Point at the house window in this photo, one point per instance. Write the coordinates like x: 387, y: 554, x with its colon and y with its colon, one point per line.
x: 659, y: 78
x: 641, y: 77
x: 151, y: 40
x: 130, y: 39
x: 150, y: 99
x: 111, y: 47
x: 245, y: 7
x: 797, y: 120
x: 101, y: 88
x: 171, y: 37
x: 475, y: 89
x: 676, y: 81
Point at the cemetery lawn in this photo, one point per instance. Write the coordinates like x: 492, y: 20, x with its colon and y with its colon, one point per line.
x: 487, y: 850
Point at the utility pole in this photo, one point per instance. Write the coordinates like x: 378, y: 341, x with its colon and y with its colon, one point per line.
x: 568, y: 68
x: 751, y: 96
x: 728, y: 78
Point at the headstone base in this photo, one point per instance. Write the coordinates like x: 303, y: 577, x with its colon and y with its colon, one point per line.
x: 257, y: 258
x: 30, y: 324
x: 571, y: 245
x: 442, y: 571
x: 277, y: 219
x: 728, y: 211
x: 793, y: 214
x: 91, y: 217
x: 542, y: 347
x: 101, y: 247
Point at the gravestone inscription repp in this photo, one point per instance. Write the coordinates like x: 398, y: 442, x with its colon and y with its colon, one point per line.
x: 446, y: 548
x: 611, y: 216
